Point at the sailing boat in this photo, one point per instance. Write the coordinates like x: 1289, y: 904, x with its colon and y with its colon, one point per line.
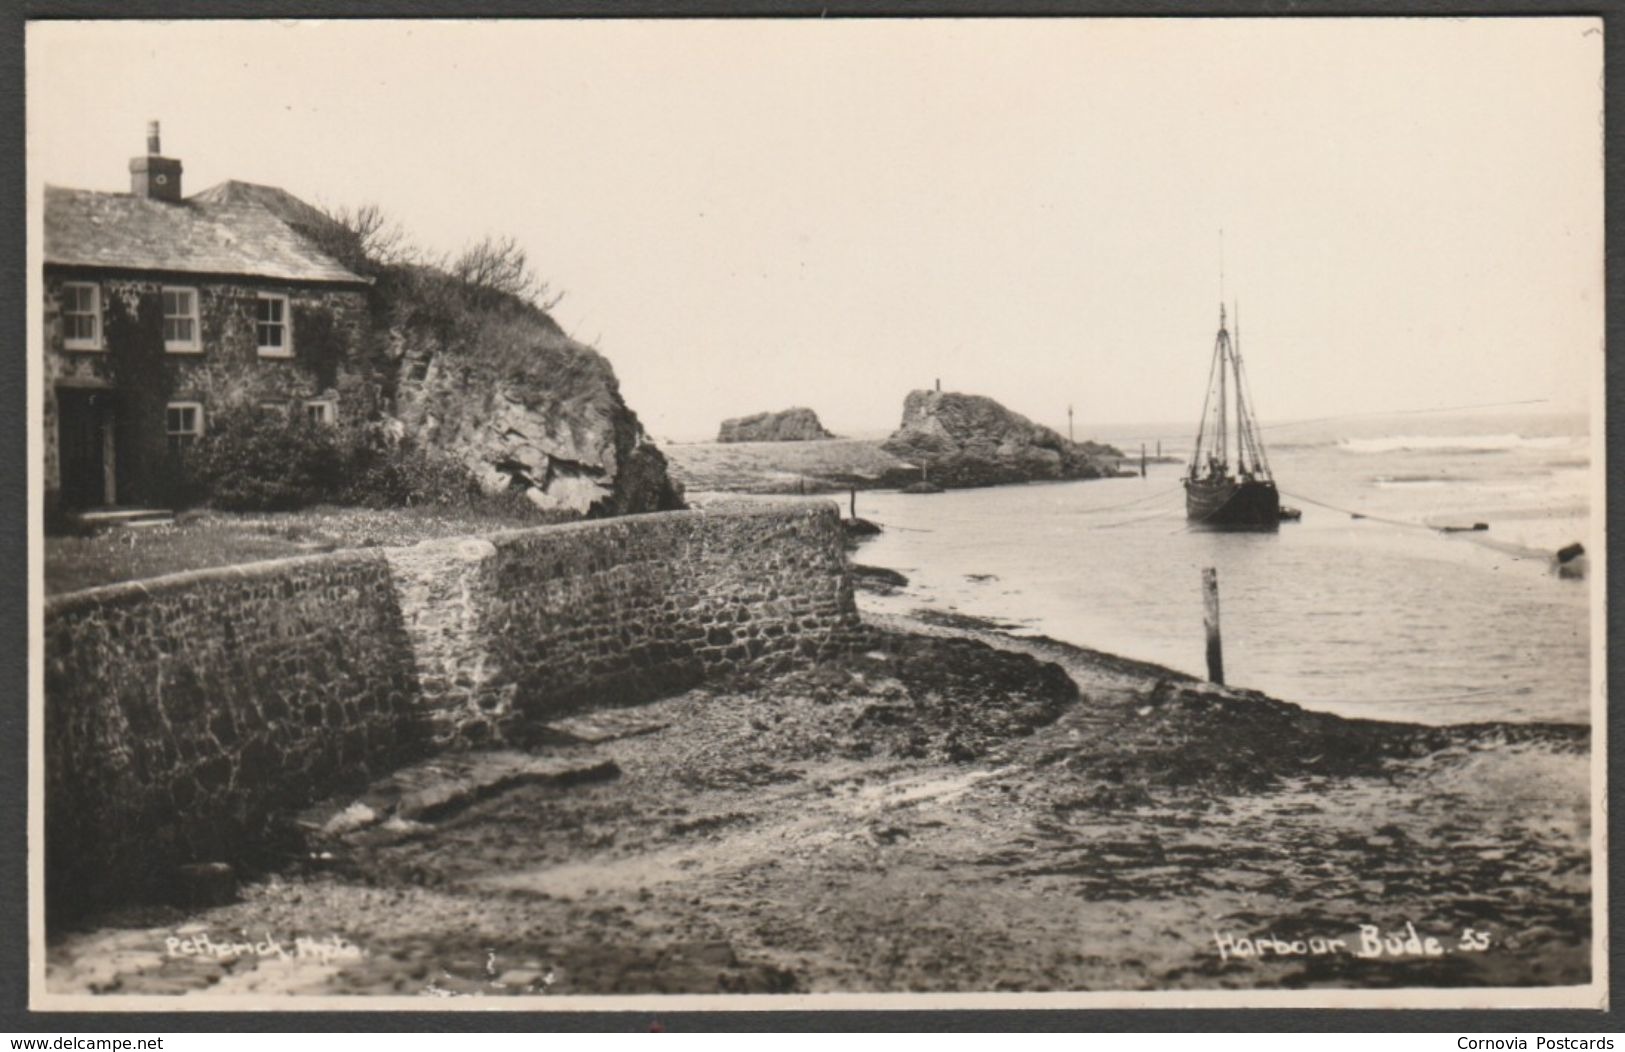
x: 1215, y: 495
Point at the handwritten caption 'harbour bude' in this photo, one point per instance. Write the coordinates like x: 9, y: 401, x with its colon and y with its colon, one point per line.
x: 1369, y: 943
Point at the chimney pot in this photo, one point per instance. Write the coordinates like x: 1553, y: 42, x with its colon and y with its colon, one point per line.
x: 154, y: 176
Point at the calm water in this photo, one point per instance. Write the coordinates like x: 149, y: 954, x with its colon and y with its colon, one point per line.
x: 1361, y: 617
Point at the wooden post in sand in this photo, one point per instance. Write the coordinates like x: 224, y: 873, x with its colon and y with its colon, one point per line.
x: 1210, y: 621
x: 852, y: 508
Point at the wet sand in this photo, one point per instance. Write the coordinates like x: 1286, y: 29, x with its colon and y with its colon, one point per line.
x: 948, y: 812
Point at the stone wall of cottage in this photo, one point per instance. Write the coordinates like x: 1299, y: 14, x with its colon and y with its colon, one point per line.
x: 183, y: 713
x: 328, y: 327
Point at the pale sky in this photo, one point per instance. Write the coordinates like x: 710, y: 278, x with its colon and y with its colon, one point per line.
x: 748, y: 215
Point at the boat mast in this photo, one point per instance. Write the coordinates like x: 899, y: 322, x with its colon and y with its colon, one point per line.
x: 1243, y: 422
x: 1199, y: 447
x: 1261, y: 460
x: 1222, y: 350
x: 1252, y: 446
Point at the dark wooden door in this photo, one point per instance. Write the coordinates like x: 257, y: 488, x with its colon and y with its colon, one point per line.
x: 85, y: 447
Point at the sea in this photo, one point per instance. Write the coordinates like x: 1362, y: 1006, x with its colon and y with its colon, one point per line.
x: 1365, y: 607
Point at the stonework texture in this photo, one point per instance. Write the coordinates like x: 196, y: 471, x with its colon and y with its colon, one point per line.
x: 618, y: 612
x: 184, y: 713
x: 327, y: 329
x: 440, y: 590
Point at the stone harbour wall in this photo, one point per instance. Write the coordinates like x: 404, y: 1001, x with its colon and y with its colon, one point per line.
x: 515, y: 628
x: 622, y: 611
x: 184, y: 713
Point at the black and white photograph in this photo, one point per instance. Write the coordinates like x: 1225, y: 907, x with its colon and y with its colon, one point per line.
x: 816, y: 513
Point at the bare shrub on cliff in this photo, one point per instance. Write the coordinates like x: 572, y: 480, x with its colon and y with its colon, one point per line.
x: 494, y: 267
x: 365, y: 239
x: 378, y: 237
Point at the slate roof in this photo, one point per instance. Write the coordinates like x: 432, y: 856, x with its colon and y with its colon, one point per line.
x: 278, y: 201
x: 237, y: 229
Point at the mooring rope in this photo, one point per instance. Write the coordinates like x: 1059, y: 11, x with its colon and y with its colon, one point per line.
x: 1160, y: 513
x: 1129, y: 503
x: 1516, y: 551
x: 1360, y: 514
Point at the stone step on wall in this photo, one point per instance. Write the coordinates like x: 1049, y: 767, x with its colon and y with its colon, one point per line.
x: 439, y: 589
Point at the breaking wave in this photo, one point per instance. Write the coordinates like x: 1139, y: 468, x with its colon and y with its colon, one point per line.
x: 1414, y: 480
x: 1455, y: 443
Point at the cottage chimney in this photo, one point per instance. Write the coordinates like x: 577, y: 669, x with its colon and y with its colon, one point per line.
x: 155, y: 176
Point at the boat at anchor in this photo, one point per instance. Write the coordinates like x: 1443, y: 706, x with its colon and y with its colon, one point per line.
x: 1219, y: 494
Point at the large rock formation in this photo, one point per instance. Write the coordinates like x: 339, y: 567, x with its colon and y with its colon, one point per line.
x: 968, y: 440
x: 466, y: 364
x: 522, y: 405
x: 797, y: 424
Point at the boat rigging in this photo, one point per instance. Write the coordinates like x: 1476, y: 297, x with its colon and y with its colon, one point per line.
x: 1218, y: 494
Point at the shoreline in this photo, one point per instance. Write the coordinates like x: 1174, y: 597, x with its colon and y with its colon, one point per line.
x: 833, y: 466
x: 775, y: 835
x: 1060, y: 650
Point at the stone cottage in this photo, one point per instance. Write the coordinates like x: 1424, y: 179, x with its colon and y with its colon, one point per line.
x: 161, y: 310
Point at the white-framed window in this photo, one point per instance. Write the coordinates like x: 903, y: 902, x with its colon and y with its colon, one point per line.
x: 273, y: 331
x: 82, y: 316
x: 183, y: 425
x: 181, y: 335
x: 322, y: 412
x: 274, y: 408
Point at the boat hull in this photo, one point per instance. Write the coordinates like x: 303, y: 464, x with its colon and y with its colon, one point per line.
x: 1228, y: 504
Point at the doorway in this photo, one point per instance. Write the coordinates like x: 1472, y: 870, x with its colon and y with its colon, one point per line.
x: 86, y: 447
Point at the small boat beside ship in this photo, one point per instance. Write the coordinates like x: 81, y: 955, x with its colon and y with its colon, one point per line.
x: 1219, y: 494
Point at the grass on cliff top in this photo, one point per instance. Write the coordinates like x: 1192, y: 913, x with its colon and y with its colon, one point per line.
x: 204, y: 539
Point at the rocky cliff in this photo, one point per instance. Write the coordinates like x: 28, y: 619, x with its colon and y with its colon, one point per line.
x: 797, y: 424
x: 524, y: 406
x: 462, y: 361
x: 964, y: 440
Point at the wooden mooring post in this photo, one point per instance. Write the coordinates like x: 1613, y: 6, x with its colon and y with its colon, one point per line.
x: 852, y: 507
x: 1142, y: 460
x: 1210, y: 621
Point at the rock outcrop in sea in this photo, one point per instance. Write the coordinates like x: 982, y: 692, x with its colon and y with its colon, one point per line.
x: 797, y: 424
x: 963, y: 440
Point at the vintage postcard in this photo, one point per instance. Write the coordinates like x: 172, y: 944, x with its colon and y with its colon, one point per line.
x: 772, y: 514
